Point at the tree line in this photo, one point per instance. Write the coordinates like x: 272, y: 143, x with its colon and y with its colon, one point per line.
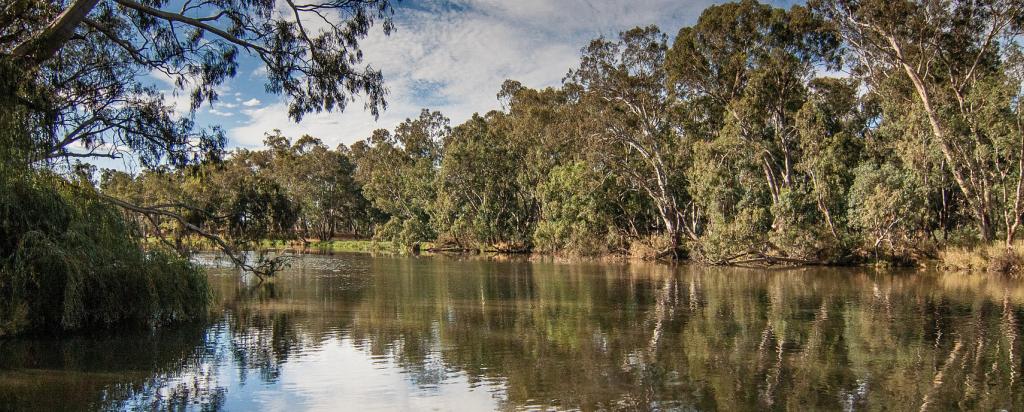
x: 828, y: 133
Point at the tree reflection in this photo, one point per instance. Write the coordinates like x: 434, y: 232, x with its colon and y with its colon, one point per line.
x: 587, y: 336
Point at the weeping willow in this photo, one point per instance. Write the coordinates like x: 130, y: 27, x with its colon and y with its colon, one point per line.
x: 68, y: 260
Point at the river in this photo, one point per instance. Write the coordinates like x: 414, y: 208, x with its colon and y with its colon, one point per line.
x: 362, y: 332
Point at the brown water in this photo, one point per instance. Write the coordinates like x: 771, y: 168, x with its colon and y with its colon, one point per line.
x: 358, y: 332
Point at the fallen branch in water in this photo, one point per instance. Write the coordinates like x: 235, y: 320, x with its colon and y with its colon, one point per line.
x: 755, y: 256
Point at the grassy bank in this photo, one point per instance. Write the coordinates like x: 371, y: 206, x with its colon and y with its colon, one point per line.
x: 330, y: 246
x: 994, y: 258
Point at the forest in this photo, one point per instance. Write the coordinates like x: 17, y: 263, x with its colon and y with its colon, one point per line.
x: 835, y: 132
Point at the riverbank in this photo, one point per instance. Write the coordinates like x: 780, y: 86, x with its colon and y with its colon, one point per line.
x: 994, y: 258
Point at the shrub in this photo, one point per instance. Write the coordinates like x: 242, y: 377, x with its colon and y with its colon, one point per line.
x: 69, y: 260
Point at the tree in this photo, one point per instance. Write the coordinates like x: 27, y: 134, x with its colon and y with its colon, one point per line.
x: 481, y: 200
x: 92, y: 55
x: 886, y: 206
x: 397, y: 172
x: 575, y: 215
x: 738, y: 78
x: 319, y: 180
x: 947, y: 62
x: 90, y: 58
x: 620, y: 88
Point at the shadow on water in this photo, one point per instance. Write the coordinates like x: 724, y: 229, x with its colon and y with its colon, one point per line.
x: 447, y: 333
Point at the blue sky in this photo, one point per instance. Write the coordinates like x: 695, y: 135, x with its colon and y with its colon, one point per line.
x: 448, y: 55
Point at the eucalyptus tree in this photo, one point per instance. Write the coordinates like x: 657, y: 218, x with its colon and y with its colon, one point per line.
x: 576, y: 216
x: 397, y: 173
x: 945, y: 70
x: 831, y: 127
x: 620, y: 89
x: 485, y: 186
x: 79, y: 69
x: 93, y: 55
x: 738, y: 79
x: 319, y: 180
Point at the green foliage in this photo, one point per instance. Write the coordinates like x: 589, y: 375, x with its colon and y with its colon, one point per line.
x: 92, y: 60
x: 481, y: 200
x: 574, y: 217
x: 69, y: 260
x: 887, y: 206
x: 397, y: 173
x: 731, y: 143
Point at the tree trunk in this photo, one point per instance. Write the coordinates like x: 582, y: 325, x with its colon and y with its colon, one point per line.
x: 977, y: 198
x: 46, y: 43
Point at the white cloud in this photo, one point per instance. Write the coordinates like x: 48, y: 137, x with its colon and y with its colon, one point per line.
x: 251, y: 102
x: 179, y: 101
x: 453, y: 57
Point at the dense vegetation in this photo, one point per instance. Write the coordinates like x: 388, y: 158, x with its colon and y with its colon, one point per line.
x: 836, y: 132
x: 69, y: 260
x: 833, y: 132
x: 73, y: 85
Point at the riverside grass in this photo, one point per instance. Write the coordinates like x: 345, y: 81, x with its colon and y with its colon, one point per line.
x: 994, y: 258
x: 69, y: 261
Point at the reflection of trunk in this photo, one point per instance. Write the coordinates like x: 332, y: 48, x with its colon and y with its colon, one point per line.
x: 1009, y: 329
x: 938, y: 379
x: 662, y: 312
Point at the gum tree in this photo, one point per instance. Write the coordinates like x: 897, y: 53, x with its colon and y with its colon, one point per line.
x: 945, y: 67
x: 77, y: 70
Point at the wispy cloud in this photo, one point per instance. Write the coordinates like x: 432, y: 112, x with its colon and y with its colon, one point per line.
x: 452, y: 56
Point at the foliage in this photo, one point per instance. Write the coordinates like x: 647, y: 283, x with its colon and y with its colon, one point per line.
x: 70, y: 260
x: 91, y: 57
x: 398, y: 171
x: 574, y: 219
x: 481, y: 199
x: 887, y: 207
x: 732, y: 142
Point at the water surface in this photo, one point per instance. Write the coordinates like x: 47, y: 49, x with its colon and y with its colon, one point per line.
x: 360, y: 332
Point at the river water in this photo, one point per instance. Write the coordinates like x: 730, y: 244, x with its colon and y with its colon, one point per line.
x: 359, y: 332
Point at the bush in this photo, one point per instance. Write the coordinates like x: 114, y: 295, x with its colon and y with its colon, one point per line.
x: 69, y: 260
x: 572, y: 220
x: 887, y: 206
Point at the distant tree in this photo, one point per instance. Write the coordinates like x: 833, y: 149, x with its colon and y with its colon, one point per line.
x: 481, y: 200
x: 397, y: 172
x: 319, y: 180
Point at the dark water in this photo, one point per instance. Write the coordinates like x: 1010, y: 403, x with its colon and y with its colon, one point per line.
x: 355, y: 332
